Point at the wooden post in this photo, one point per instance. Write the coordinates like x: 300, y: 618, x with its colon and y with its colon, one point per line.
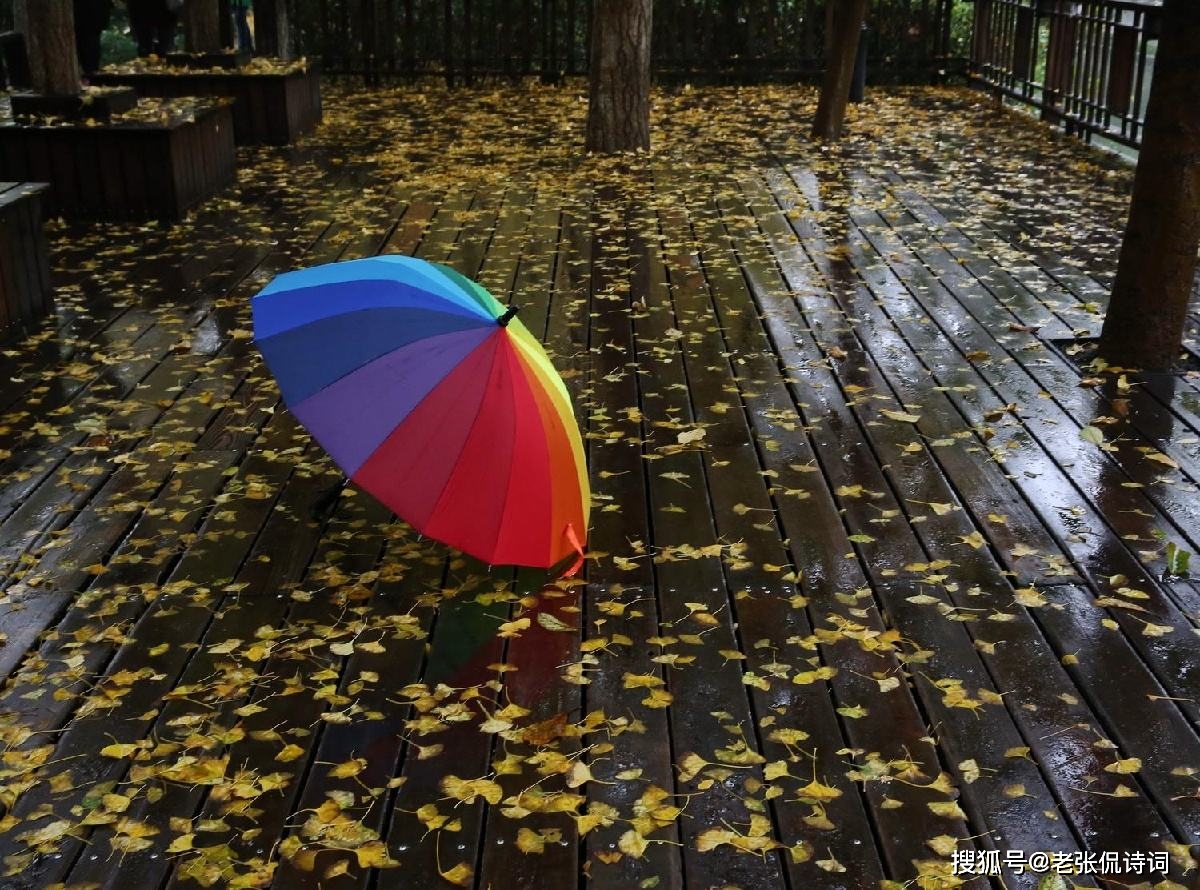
x: 1157, y: 267
x: 839, y: 70
x: 619, y: 97
x: 202, y: 26
x: 49, y: 29
x: 271, y: 34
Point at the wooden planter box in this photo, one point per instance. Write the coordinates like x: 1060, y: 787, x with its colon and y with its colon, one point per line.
x: 127, y: 169
x: 25, y: 295
x: 269, y: 109
x: 115, y: 100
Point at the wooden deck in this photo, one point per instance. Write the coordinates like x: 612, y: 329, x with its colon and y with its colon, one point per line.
x: 889, y: 606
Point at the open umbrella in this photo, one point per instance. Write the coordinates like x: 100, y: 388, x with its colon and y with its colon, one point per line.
x: 432, y: 397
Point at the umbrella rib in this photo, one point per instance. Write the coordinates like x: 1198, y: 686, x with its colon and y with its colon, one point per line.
x: 483, y: 325
x: 454, y: 464
x: 509, y: 357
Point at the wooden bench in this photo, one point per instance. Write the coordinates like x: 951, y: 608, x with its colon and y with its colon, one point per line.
x: 132, y: 169
x: 25, y: 295
x: 269, y: 108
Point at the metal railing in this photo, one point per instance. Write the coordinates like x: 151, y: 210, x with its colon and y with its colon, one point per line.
x: 732, y: 40
x: 1084, y: 64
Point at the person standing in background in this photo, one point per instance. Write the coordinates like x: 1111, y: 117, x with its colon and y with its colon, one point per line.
x: 91, y: 18
x: 245, y: 41
x: 153, y: 25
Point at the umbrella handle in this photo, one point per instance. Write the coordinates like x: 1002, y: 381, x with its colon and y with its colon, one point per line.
x: 509, y: 314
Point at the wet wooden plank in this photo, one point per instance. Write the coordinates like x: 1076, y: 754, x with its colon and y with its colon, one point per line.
x: 1018, y: 671
x: 1141, y: 716
x: 1020, y: 659
x: 691, y: 590
x: 157, y: 862
x: 96, y: 624
x: 619, y: 598
x: 137, y: 681
x: 713, y: 312
x: 1095, y: 529
x: 958, y: 736
x: 310, y: 611
x: 1146, y: 425
x: 894, y: 727
x: 140, y: 415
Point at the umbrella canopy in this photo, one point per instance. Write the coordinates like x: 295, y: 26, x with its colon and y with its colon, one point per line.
x: 432, y: 397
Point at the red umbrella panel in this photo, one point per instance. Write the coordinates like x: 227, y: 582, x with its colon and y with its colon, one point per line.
x: 435, y: 399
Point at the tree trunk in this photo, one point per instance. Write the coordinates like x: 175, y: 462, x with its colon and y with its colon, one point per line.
x: 619, y: 97
x: 202, y: 26
x: 1157, y: 267
x: 271, y: 34
x: 839, y: 70
x: 49, y: 29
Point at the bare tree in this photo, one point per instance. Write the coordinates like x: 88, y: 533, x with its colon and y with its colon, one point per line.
x: 1157, y: 267
x: 619, y: 97
x: 49, y: 29
x: 848, y: 16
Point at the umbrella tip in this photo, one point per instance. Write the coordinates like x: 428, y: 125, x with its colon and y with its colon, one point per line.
x: 508, y: 315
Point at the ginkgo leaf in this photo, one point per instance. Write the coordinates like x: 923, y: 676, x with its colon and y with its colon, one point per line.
x: 120, y: 750
x: 830, y: 865
x: 943, y: 844
x: 1029, y: 598
x: 901, y: 416
x: 460, y: 876
x: 466, y: 790
x: 579, y: 774
x: 632, y: 844
x: 1161, y: 458
x: 690, y: 766
x: 348, y: 769
x: 815, y: 790
x: 529, y: 841
x: 550, y: 622
x: 1125, y: 766
x: 948, y: 808
x: 290, y: 752
x: 182, y: 844
x: 640, y: 681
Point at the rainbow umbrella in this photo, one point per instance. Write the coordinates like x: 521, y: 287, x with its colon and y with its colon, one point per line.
x: 435, y: 399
